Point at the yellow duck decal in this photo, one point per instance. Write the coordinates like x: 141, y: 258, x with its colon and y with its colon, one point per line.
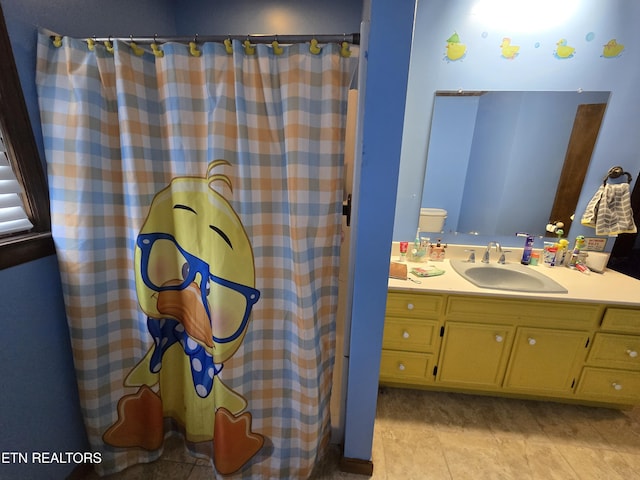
x: 454, y: 49
x: 195, y: 281
x: 508, y: 51
x: 563, y: 50
x: 612, y: 49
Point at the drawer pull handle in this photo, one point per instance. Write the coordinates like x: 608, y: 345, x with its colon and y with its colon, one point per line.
x: 499, y: 338
x: 531, y: 341
x: 405, y: 334
x: 401, y: 367
x: 409, y: 306
x: 616, y: 386
x: 632, y: 353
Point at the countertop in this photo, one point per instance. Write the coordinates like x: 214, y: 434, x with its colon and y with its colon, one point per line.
x: 609, y: 287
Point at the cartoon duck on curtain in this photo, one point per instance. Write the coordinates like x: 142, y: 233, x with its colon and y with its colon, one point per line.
x: 195, y: 282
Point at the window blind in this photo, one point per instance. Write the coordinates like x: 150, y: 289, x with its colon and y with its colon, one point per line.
x: 13, y: 217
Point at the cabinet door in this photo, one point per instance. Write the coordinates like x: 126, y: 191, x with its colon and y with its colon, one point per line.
x: 545, y: 360
x: 474, y: 354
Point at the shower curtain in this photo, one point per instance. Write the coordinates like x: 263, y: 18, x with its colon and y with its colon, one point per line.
x: 196, y: 200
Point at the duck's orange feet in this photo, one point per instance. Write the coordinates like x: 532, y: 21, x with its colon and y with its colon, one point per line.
x: 139, y: 421
x: 233, y: 441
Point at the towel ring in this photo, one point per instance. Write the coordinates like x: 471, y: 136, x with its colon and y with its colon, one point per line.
x: 615, y: 172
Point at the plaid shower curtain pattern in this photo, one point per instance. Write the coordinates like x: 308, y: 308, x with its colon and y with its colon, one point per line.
x: 118, y: 128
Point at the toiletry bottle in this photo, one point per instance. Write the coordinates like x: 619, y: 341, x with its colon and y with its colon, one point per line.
x: 528, y: 248
x: 579, y: 245
x: 415, y: 251
x: 561, y: 255
x: 424, y: 247
x: 535, y: 258
x: 403, y: 251
x: 436, y: 252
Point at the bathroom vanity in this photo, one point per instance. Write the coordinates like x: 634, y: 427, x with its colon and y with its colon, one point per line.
x: 582, y: 346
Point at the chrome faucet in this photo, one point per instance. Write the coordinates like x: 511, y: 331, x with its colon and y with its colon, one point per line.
x: 485, y: 257
x: 503, y: 259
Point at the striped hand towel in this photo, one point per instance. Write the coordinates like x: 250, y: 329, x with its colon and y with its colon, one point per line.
x: 609, y: 211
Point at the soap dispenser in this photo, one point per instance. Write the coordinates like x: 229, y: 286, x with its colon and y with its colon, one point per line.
x: 528, y: 248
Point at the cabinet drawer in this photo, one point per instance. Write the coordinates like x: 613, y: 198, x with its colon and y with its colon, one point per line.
x: 609, y: 384
x: 621, y: 320
x: 406, y: 367
x: 552, y: 314
x: 409, y: 335
x: 616, y: 351
x: 413, y: 305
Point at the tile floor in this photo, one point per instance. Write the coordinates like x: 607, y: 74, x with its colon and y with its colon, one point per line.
x: 444, y: 436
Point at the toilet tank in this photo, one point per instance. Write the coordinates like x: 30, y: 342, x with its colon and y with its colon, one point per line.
x: 432, y: 219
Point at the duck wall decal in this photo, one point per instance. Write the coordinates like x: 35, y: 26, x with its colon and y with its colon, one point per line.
x: 509, y: 51
x: 455, y: 49
x: 563, y: 50
x: 612, y: 49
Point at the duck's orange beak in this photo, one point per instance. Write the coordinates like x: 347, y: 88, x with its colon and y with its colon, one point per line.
x: 186, y: 306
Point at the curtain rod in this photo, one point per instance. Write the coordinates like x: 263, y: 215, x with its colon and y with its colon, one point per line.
x: 352, y: 38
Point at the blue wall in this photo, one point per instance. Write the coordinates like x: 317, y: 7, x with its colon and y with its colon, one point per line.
x: 269, y: 17
x: 587, y: 27
x: 385, y: 67
x: 39, y: 400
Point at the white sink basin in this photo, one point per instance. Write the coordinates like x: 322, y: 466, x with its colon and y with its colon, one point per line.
x: 511, y: 276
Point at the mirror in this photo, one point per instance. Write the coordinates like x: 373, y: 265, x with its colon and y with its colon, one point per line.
x: 507, y: 162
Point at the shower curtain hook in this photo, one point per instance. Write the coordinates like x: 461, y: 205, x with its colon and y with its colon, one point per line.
x: 277, y: 49
x: 313, y: 46
x: 154, y: 47
x: 193, y: 48
x: 248, y: 49
x: 228, y: 45
x: 136, y: 49
x: 108, y: 45
x: 344, y: 50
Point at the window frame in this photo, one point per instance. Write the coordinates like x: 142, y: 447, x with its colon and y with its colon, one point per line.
x: 24, y: 157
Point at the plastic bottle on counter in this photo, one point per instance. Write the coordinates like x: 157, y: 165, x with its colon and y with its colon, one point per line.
x: 528, y: 248
x: 579, y: 245
x: 404, y: 246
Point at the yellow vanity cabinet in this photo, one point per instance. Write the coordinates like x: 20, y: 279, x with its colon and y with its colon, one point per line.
x: 411, y: 337
x: 498, y: 345
x: 612, y: 371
